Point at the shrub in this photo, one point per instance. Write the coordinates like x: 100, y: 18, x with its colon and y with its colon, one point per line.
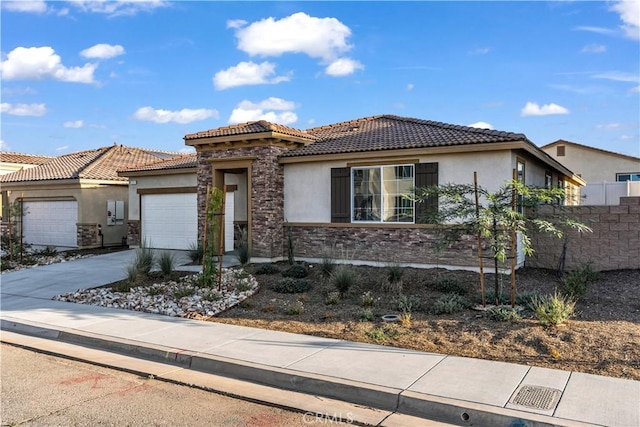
x: 551, y: 310
x: 378, y: 335
x: 450, y: 285
x: 449, y: 304
x: 132, y: 274
x: 243, y: 252
x: 267, y: 269
x: 490, y: 297
x: 297, y: 271
x: 577, y: 281
x: 185, y: 291
x: 366, y: 315
x: 167, y: 263
x: 394, y: 273
x: 47, y: 251
x: 143, y: 259
x: 211, y: 295
x: 526, y: 299
x: 196, y: 252
x: 290, y: 285
x: 155, y: 290
x: 344, y: 278
x: 367, y: 300
x: 295, y: 309
x: 408, y: 304
x: 405, y: 319
x: 327, y: 265
x: 333, y: 298
x: 503, y: 314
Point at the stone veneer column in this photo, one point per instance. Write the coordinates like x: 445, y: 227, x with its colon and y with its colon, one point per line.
x: 133, y: 232
x: 267, y: 195
x: 87, y: 235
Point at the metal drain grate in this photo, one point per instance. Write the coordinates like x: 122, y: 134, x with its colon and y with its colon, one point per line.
x: 536, y: 397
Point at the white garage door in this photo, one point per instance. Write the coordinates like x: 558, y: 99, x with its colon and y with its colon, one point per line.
x: 170, y: 221
x: 51, y: 223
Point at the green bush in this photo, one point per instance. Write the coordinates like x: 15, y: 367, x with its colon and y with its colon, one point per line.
x: 408, y: 303
x: 243, y: 253
x: 367, y: 300
x: 295, y: 309
x: 155, y: 290
x: 490, y: 297
x: 185, y: 291
x: 344, y: 278
x: 196, y: 252
x: 143, y: 259
x: 333, y: 298
x: 327, y: 265
x: 47, y: 251
x: 297, y: 271
x: 166, y: 263
x: 449, y: 304
x: 290, y: 285
x: 551, y: 310
x: 366, y: 315
x: 526, y: 299
x: 450, y: 285
x: 503, y: 314
x: 577, y: 281
x: 394, y: 273
x: 267, y: 269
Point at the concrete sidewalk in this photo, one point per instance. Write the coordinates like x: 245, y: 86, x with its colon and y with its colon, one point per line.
x: 455, y: 390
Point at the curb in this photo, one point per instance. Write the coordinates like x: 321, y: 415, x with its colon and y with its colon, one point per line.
x: 396, y: 401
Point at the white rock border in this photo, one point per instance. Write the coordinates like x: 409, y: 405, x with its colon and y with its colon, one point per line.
x: 160, y: 298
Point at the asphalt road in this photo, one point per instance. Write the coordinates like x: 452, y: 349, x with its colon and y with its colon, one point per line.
x: 43, y: 390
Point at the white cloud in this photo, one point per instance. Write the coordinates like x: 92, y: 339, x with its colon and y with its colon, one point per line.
x: 597, y: 30
x: 30, y: 6
x: 618, y: 76
x: 35, y: 63
x: 236, y: 23
x: 183, y: 116
x: 63, y: 148
x: 410, y: 86
x: 103, y: 51
x: 629, y: 11
x: 247, y: 73
x: 248, y: 111
x: 480, y: 51
x: 187, y: 150
x: 481, y: 125
x: 533, y: 109
x: 4, y: 146
x: 343, y: 67
x: 35, y: 110
x: 114, y: 8
x: 608, y: 126
x: 635, y: 89
x: 594, y: 48
x: 77, y: 124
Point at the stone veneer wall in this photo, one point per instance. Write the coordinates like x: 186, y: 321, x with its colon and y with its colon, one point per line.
x: 87, y: 235
x: 414, y: 245
x: 267, y: 195
x: 7, y: 227
x: 614, y: 243
x: 133, y: 232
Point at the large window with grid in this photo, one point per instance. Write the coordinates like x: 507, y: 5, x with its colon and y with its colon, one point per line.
x: 380, y: 193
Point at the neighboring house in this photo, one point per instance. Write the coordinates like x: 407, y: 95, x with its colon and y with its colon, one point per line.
x: 76, y: 200
x: 339, y: 190
x: 11, y: 162
x: 608, y: 175
x: 163, y: 204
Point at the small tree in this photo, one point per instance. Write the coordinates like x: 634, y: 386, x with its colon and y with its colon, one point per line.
x: 495, y: 217
x: 213, y: 220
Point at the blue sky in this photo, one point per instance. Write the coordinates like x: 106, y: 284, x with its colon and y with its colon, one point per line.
x: 81, y: 75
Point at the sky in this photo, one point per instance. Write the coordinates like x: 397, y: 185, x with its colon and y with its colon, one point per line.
x: 78, y: 75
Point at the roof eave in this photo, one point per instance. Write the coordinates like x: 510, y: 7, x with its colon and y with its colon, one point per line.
x: 152, y: 172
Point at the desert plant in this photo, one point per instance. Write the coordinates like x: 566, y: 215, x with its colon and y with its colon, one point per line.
x: 132, y: 273
x: 267, y: 269
x: 195, y: 252
x: 552, y: 310
x: 503, y: 314
x: 184, y: 291
x: 577, y: 281
x: 366, y: 315
x: 408, y: 303
x: 297, y: 271
x: 155, y: 290
x: 327, y: 265
x: 449, y: 304
x: 242, y: 252
x: 123, y: 286
x: 367, y: 300
x: 449, y: 285
x: 394, y: 273
x: 295, y: 309
x: 526, y: 299
x: 211, y: 295
x: 405, y: 319
x: 143, y: 259
x: 166, y: 262
x: 47, y: 251
x: 333, y: 298
x: 491, y: 297
x: 344, y: 278
x: 378, y: 335
x: 290, y: 285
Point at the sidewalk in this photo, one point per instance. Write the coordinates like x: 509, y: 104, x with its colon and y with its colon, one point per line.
x: 460, y: 391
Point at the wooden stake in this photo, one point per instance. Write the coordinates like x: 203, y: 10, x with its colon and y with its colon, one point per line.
x: 482, y: 286
x: 206, y: 223
x: 513, y: 245
x: 221, y: 237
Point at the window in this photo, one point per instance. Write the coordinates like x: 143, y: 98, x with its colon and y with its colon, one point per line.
x: 520, y: 179
x: 379, y: 194
x: 623, y: 177
x: 560, y: 151
x: 548, y: 180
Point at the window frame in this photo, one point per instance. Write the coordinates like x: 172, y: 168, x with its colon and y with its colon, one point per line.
x: 630, y: 175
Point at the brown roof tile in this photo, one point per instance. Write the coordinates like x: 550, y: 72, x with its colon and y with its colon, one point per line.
x: 389, y: 132
x: 98, y: 164
x: 185, y: 161
x: 26, y: 159
x: 248, y: 129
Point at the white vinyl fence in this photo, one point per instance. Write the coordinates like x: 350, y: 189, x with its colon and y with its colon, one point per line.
x: 608, y: 193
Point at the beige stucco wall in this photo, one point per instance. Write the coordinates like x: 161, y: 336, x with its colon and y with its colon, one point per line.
x: 155, y: 182
x: 240, y: 195
x: 593, y: 166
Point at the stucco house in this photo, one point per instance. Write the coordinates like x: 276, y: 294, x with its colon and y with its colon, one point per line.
x: 11, y: 162
x: 76, y: 200
x: 163, y: 204
x: 338, y: 190
x: 609, y: 175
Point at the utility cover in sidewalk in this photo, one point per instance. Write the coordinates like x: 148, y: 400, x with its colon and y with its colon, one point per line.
x: 536, y: 397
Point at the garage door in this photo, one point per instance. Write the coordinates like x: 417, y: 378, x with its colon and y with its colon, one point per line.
x: 170, y: 221
x: 51, y: 223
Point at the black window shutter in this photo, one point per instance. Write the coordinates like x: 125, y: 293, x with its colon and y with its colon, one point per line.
x: 426, y: 176
x: 340, y: 195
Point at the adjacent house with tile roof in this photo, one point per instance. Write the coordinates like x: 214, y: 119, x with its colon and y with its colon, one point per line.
x: 339, y: 190
x: 76, y: 200
x: 11, y: 162
x: 609, y: 175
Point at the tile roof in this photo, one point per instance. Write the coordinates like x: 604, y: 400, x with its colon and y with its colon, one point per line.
x: 389, y: 132
x: 185, y: 161
x: 98, y: 164
x: 20, y: 158
x: 248, y: 129
x: 613, y: 153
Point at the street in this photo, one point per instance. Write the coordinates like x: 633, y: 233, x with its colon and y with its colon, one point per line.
x: 43, y: 390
